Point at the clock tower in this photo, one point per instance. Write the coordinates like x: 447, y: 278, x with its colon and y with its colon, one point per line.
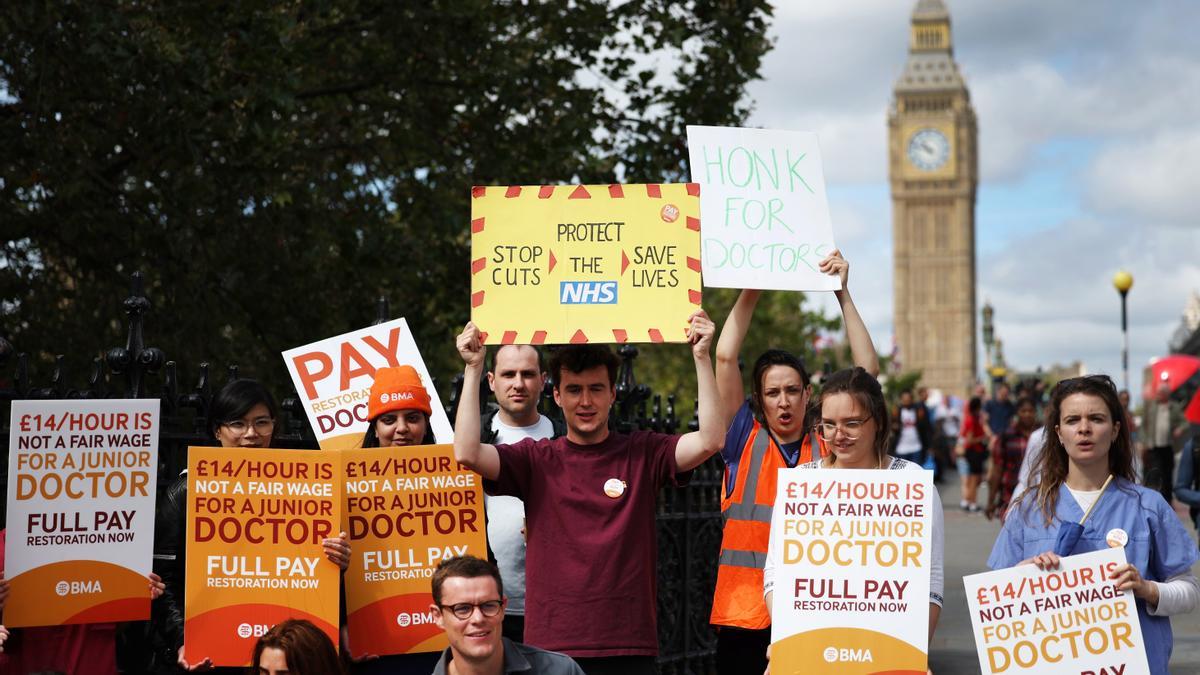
x: 933, y: 169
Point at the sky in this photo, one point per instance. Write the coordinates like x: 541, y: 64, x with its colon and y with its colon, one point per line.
x: 1089, y: 139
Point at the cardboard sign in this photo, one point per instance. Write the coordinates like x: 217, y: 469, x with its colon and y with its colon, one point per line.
x: 766, y: 218
x: 334, y: 377
x: 82, y: 476
x: 407, y: 509
x: 585, y: 263
x: 1070, y: 620
x: 256, y: 522
x: 851, y: 553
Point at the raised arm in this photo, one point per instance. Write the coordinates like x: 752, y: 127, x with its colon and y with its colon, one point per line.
x: 479, y: 457
x: 694, y: 448
x: 729, y: 345
x: 862, y: 350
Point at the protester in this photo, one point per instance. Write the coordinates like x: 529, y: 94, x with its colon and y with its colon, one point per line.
x: 399, y: 408
x: 242, y: 414
x: 516, y: 380
x: 78, y: 649
x: 1187, y: 479
x: 468, y: 602
x: 295, y: 647
x: 912, y: 434
x: 1086, y: 443
x: 766, y: 432
x: 1008, y: 451
x: 998, y: 411
x: 590, y: 501
x: 972, y: 454
x: 1163, y: 428
x: 854, y: 425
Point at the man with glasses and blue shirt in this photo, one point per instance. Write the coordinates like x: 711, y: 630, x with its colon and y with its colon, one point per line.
x: 468, y: 603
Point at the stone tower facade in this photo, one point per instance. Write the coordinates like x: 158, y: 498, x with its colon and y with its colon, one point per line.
x: 933, y: 168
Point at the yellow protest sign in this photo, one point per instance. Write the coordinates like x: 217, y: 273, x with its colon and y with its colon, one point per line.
x: 585, y: 263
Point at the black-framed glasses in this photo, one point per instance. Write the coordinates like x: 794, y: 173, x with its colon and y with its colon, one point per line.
x: 851, y: 429
x: 464, y: 610
x: 262, y: 426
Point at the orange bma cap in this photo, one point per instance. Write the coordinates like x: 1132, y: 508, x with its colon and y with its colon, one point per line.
x: 397, y: 388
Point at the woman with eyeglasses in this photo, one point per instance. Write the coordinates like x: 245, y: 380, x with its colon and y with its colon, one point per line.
x: 241, y: 415
x: 1087, y: 442
x: 399, y: 408
x: 766, y: 433
x: 855, y: 427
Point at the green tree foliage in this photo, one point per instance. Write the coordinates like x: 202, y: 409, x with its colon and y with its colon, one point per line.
x: 274, y: 166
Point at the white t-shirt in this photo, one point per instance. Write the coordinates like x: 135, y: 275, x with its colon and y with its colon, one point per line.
x: 506, y: 519
x: 909, y: 441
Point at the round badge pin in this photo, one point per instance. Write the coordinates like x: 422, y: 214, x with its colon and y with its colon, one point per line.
x: 1116, y: 538
x: 614, y: 487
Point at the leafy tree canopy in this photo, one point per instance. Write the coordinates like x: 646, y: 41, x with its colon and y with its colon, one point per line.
x: 273, y: 167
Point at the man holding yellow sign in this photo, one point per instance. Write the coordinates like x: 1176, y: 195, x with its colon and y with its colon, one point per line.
x: 591, y: 494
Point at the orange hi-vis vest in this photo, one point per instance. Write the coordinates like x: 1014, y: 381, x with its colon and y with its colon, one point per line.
x: 738, y: 599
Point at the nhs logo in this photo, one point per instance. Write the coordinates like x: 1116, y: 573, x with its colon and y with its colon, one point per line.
x: 587, y: 293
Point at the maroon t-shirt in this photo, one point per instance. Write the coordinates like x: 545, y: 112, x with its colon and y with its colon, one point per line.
x: 590, y: 577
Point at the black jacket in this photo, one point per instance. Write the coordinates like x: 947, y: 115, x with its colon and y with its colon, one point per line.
x: 170, y: 545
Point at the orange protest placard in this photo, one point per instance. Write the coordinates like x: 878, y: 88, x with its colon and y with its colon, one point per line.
x: 407, y: 509
x: 256, y: 521
x: 81, y: 489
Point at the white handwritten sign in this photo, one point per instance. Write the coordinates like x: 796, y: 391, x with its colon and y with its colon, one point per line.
x: 763, y: 212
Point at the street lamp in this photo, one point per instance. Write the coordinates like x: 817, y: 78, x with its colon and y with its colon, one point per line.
x: 988, y: 335
x: 1123, y: 281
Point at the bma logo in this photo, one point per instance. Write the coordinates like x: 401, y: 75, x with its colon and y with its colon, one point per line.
x: 64, y: 588
x: 395, y: 396
x: 587, y: 293
x: 404, y: 619
x: 833, y: 655
x: 249, y: 630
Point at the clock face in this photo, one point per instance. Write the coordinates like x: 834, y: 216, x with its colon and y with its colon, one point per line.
x: 928, y: 149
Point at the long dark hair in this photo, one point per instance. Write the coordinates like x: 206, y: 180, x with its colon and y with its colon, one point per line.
x: 371, y: 438
x: 235, y: 399
x: 1052, y: 466
x: 866, y: 391
x: 308, y: 651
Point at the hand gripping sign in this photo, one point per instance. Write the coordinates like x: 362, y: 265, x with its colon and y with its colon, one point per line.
x: 407, y: 509
x: 81, y: 488
x: 256, y: 522
x: 1070, y: 620
x: 334, y: 377
x: 851, y: 553
x: 766, y: 218
x: 585, y: 263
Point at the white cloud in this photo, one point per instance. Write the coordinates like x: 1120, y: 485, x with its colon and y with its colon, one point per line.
x: 1154, y: 180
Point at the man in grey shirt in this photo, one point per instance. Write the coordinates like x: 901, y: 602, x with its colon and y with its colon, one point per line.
x: 468, y: 602
x: 516, y: 379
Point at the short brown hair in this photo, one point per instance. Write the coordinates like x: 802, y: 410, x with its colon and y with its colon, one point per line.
x: 467, y: 566
x: 307, y: 649
x: 578, y: 358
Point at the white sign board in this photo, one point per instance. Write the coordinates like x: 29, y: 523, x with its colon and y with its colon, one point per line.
x: 82, y: 476
x: 333, y: 378
x: 851, y: 557
x: 1054, y: 622
x: 764, y: 217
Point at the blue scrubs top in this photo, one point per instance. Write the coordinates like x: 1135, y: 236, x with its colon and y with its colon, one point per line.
x: 1159, y: 545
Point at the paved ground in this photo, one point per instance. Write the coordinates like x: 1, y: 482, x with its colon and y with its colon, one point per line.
x: 969, y: 539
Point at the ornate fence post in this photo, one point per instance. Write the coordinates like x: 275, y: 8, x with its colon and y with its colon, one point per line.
x: 135, y: 360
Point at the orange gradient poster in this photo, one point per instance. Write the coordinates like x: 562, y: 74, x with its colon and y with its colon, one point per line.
x: 256, y: 520
x: 334, y: 376
x: 407, y: 509
x: 81, y: 489
x: 851, y: 557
